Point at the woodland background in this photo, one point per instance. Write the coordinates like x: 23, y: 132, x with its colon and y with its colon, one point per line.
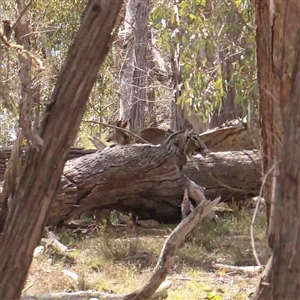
x: 196, y: 64
x: 171, y: 64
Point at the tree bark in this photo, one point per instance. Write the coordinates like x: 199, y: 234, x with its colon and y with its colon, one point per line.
x: 41, y: 176
x: 150, y: 81
x: 279, y: 73
x: 232, y: 175
x: 29, y: 94
x: 134, y: 71
x: 148, y: 182
x: 269, y: 95
x: 235, y: 137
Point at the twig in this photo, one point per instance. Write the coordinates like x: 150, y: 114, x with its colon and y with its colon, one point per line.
x: 117, y: 128
x: 27, y: 288
x: 255, y: 214
x: 230, y: 187
x: 21, y: 49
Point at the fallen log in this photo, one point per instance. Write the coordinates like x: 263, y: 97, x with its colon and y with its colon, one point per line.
x: 149, y: 181
x: 234, y: 135
x: 5, y: 154
x: 142, y: 179
x: 231, y: 175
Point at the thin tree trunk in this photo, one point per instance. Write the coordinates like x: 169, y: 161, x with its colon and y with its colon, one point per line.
x: 150, y: 81
x: 28, y: 93
x: 44, y: 166
x: 134, y: 71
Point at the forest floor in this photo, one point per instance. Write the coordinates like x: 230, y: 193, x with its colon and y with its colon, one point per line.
x: 121, y: 259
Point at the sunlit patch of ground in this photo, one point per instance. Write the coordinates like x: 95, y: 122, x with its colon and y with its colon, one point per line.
x: 120, y: 260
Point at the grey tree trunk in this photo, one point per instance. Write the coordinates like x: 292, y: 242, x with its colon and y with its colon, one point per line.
x: 150, y: 82
x: 134, y: 70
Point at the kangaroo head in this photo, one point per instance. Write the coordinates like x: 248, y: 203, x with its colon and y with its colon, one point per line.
x: 119, y: 136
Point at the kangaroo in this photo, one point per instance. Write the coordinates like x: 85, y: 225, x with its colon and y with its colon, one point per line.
x: 152, y: 135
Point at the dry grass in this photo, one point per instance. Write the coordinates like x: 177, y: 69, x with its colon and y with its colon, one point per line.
x: 120, y: 260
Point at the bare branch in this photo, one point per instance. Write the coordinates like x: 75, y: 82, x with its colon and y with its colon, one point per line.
x: 118, y: 128
x: 20, y: 17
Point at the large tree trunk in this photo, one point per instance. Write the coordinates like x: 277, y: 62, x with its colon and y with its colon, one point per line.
x: 148, y: 182
x: 278, y: 39
x: 134, y: 71
x: 37, y: 188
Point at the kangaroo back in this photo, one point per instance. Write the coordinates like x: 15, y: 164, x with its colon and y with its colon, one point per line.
x: 154, y: 135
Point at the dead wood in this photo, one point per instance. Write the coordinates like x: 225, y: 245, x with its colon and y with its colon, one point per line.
x: 145, y: 180
x: 161, y: 293
x: 236, y: 135
x: 232, y: 175
x: 52, y: 241
x: 252, y: 270
x: 138, y: 178
x: 149, y: 181
x: 6, y: 152
x: 167, y: 259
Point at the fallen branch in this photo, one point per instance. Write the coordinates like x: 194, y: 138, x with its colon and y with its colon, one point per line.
x: 255, y: 214
x: 97, y: 142
x: 253, y: 270
x: 52, y: 241
x: 118, y: 128
x: 161, y: 293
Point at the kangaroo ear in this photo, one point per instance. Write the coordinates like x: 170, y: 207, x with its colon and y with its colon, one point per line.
x: 124, y: 124
x: 119, y: 123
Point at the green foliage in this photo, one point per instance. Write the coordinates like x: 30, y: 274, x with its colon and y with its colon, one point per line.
x: 207, y: 39
x: 213, y: 43
x: 53, y: 25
